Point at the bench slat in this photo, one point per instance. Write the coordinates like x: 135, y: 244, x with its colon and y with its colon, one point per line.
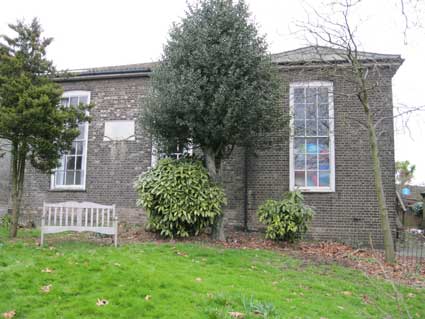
x: 50, y: 216
x: 71, y: 216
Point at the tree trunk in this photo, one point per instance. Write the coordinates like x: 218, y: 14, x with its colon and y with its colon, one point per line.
x: 18, y: 172
x: 423, y: 210
x: 214, y: 170
x: 385, y: 223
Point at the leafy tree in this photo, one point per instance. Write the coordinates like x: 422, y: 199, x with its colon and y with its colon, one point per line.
x: 37, y: 128
x: 404, y: 173
x: 216, y: 87
x: 339, y: 33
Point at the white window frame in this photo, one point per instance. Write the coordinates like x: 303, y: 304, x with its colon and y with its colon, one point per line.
x: 318, y: 189
x: 82, y: 187
x: 156, y: 156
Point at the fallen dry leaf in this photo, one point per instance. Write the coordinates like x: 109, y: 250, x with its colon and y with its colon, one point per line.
x: 46, y: 288
x: 148, y: 297
x: 9, y: 314
x: 347, y: 293
x: 410, y: 295
x: 235, y: 314
x: 198, y: 279
x: 101, y: 302
x: 117, y: 264
x: 47, y: 270
x: 181, y: 254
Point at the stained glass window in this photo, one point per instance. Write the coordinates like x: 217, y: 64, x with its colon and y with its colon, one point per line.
x: 312, y: 139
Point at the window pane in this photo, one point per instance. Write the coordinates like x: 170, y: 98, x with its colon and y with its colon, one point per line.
x: 299, y: 161
x: 323, y: 111
x: 82, y: 178
x: 82, y: 128
x: 325, y: 178
x: 70, y: 177
x: 74, y: 100
x: 311, y: 112
x: 323, y: 128
x: 61, y: 166
x: 323, y: 145
x: 312, y: 179
x: 299, y: 178
x: 311, y: 161
x: 323, y: 95
x: 83, y: 99
x: 79, y: 162
x: 311, y: 145
x: 299, y: 129
x: 73, y: 149
x: 324, y: 162
x: 70, y: 162
x: 80, y: 146
x: 299, y: 95
x: 64, y: 101
x: 78, y: 177
x: 59, y: 177
x: 311, y: 95
x: 299, y: 111
x: 299, y: 145
x: 311, y: 128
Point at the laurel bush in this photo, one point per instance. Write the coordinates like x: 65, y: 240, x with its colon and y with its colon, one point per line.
x: 286, y: 219
x: 179, y: 197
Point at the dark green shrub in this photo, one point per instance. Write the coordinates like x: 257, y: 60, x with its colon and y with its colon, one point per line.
x: 179, y: 197
x: 5, y: 221
x: 285, y: 219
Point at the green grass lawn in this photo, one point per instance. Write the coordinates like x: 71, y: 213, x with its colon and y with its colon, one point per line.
x: 184, y: 281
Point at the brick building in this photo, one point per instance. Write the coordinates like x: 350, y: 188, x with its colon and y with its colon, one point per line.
x: 327, y: 156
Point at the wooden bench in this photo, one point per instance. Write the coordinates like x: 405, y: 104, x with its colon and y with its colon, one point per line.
x: 79, y: 217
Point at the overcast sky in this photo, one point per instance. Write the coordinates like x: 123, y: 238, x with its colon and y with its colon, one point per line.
x: 100, y: 33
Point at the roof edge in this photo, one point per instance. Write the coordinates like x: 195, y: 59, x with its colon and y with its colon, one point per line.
x: 310, y: 56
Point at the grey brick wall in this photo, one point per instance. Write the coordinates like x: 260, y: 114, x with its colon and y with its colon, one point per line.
x: 350, y: 214
x: 112, y: 167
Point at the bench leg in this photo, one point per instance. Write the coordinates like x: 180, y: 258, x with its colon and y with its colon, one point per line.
x: 116, y: 239
x: 42, y: 239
